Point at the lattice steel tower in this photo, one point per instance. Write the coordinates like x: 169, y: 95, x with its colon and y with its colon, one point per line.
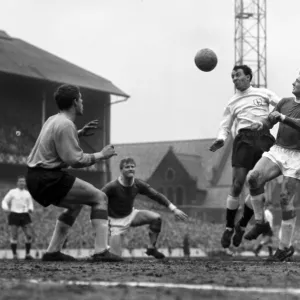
x: 251, y: 39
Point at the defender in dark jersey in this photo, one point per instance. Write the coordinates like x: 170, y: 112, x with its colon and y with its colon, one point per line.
x: 121, y: 194
x: 282, y: 159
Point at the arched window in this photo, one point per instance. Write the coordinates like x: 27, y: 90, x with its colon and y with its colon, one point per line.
x: 170, y: 174
x: 179, y: 195
x: 170, y: 194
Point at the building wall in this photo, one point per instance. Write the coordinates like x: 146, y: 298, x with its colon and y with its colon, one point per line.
x: 173, y: 186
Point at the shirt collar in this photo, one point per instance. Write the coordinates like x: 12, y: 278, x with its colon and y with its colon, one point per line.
x: 122, y: 183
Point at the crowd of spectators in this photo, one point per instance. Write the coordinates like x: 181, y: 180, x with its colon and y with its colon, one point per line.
x: 202, y: 234
x: 18, y: 131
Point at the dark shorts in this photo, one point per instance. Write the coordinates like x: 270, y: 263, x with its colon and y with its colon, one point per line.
x: 48, y: 186
x: 269, y: 233
x: 248, y: 147
x: 19, y: 219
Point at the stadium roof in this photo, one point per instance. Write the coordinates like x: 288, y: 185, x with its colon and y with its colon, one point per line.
x: 21, y: 58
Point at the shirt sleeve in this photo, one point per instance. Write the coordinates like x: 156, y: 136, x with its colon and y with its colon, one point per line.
x: 6, y: 202
x: 30, y: 202
x: 269, y: 123
x: 147, y: 190
x: 225, y: 125
x: 68, y: 149
x: 273, y: 97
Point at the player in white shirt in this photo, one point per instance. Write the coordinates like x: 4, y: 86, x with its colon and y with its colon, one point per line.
x: 266, y: 239
x: 247, y: 106
x: 19, y: 204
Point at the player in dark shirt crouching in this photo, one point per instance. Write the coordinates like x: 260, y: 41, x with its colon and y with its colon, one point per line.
x: 121, y: 194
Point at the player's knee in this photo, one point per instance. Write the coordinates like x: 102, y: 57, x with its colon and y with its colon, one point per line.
x: 256, y: 187
x: 75, y: 210
x: 237, y: 187
x: 29, y: 239
x: 68, y: 217
x: 155, y: 225
x: 13, y: 240
x: 100, y: 200
x: 14, y: 236
x: 288, y: 215
x: 286, y: 201
x: 252, y: 179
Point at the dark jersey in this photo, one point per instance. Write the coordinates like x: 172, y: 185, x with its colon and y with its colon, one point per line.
x: 288, y: 135
x: 121, y: 198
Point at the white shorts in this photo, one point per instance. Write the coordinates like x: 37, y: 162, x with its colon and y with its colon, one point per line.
x: 121, y: 225
x: 286, y: 159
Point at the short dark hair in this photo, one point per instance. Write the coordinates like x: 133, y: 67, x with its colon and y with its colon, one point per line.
x: 247, y: 70
x: 21, y: 177
x: 65, y: 95
x: 125, y: 161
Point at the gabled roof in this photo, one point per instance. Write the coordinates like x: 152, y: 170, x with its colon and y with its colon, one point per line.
x: 21, y: 58
x: 193, y: 165
x: 148, y: 155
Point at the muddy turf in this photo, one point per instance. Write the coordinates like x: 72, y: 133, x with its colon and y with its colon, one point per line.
x: 39, y: 280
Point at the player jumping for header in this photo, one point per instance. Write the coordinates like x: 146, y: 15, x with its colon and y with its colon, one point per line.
x: 247, y: 106
x: 121, y: 194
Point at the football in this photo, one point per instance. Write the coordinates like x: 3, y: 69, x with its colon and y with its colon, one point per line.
x: 206, y: 60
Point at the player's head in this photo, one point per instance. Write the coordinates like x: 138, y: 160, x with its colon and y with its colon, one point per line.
x: 21, y: 182
x: 296, y: 87
x: 69, y: 97
x: 127, y: 167
x: 241, y: 76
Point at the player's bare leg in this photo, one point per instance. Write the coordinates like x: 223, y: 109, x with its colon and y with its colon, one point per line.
x: 288, y: 223
x: 28, y: 231
x: 84, y: 193
x: 145, y: 217
x: 265, y: 170
x: 232, y: 203
x: 64, y: 222
x: 116, y: 244
x: 14, y: 240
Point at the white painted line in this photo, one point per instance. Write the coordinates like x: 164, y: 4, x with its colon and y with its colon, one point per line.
x: 204, y: 287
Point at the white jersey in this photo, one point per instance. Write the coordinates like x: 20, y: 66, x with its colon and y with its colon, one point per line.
x: 18, y: 201
x: 269, y: 217
x: 245, y: 108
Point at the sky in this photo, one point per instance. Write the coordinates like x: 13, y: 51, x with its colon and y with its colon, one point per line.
x: 147, y: 49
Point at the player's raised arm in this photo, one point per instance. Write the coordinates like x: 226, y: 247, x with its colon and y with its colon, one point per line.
x: 224, y: 130
x: 68, y: 149
x: 88, y: 129
x: 147, y: 190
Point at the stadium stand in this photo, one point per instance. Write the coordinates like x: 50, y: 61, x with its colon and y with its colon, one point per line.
x: 204, y: 235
